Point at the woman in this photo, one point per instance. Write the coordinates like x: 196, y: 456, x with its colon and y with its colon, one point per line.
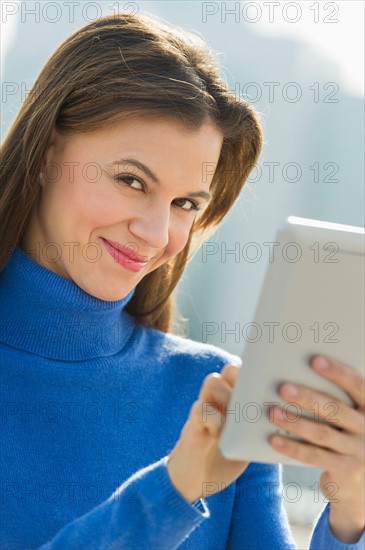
x: 107, y: 180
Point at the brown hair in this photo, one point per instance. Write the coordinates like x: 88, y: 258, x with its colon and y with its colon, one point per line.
x: 117, y: 66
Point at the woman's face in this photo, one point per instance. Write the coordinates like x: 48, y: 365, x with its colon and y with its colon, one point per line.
x: 133, y: 184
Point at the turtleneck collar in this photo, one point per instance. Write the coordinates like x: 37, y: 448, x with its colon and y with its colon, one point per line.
x: 48, y: 315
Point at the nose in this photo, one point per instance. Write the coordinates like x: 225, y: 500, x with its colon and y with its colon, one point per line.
x: 152, y: 226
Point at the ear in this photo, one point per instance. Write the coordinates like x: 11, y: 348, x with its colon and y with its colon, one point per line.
x: 47, y: 157
x: 53, y: 137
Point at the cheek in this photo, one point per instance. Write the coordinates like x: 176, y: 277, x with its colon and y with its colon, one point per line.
x: 95, y: 209
x: 178, y: 237
x: 93, y: 203
x: 81, y: 204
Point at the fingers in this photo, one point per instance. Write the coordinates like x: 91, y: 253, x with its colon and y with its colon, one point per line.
x: 205, y: 417
x: 326, y: 407
x: 215, y: 390
x: 208, y: 412
x: 230, y: 373
x: 309, y: 454
x: 318, y: 433
x: 335, y: 444
x: 344, y: 376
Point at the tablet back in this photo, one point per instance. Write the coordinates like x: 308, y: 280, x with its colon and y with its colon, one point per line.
x: 312, y: 302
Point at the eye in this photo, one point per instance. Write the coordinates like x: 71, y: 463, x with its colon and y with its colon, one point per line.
x: 125, y: 178
x: 194, y: 205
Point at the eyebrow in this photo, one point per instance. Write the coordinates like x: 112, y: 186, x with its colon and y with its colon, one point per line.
x: 153, y: 177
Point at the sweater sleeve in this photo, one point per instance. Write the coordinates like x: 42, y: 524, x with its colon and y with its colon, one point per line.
x: 259, y: 519
x: 259, y: 516
x: 323, y: 538
x: 144, y: 512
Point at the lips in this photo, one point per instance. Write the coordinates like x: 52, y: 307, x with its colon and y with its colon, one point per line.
x: 126, y: 262
x: 127, y: 252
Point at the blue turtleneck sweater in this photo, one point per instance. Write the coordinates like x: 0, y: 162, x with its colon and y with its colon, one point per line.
x: 92, y: 403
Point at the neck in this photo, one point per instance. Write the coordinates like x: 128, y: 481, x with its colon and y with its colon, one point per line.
x: 48, y: 315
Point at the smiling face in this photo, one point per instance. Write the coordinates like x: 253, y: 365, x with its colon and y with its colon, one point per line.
x: 133, y: 185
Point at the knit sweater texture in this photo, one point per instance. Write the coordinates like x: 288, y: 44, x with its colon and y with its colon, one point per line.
x: 92, y: 403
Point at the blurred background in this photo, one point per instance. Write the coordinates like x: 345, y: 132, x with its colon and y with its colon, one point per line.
x: 301, y: 64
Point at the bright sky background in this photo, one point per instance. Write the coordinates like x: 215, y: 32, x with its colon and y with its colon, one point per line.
x: 7, y: 36
x: 342, y: 42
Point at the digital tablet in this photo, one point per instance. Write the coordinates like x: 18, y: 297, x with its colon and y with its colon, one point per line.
x: 312, y: 302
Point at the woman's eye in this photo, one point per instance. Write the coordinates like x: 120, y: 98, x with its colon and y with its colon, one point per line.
x: 193, y: 205
x: 126, y: 178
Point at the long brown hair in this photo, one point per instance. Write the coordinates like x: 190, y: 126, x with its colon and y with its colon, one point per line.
x: 118, y: 66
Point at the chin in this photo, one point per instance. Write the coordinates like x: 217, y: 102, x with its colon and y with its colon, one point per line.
x: 106, y: 292
x: 110, y: 296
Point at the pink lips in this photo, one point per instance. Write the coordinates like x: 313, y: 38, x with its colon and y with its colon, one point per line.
x: 129, y: 262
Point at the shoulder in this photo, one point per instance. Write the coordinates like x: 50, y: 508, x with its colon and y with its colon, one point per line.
x: 186, y: 346
x: 179, y: 366
x: 186, y: 352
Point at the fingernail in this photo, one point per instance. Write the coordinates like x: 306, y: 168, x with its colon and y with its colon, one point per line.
x: 278, y: 441
x: 321, y: 363
x: 290, y: 390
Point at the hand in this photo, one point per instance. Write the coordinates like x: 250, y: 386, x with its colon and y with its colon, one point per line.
x: 338, y: 448
x: 196, y: 459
